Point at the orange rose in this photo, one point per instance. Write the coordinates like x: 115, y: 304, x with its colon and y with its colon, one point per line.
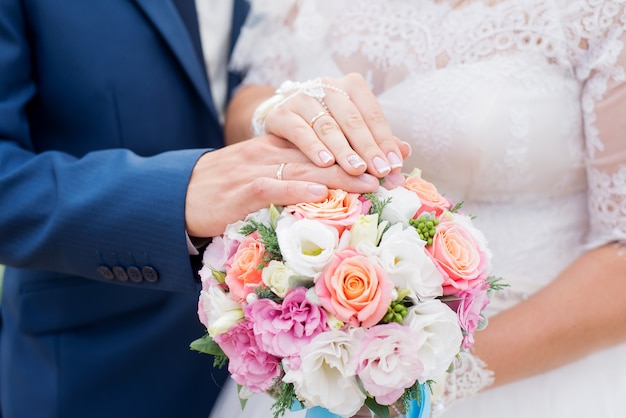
x: 340, y: 209
x: 243, y: 269
x: 354, y: 289
x: 431, y: 200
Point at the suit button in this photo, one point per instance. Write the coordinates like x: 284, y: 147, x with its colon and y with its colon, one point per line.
x: 120, y: 273
x: 150, y: 274
x: 134, y: 273
x: 105, y: 272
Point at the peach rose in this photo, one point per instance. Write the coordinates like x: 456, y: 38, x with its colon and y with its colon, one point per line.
x: 354, y: 289
x: 243, y: 274
x: 431, y: 200
x: 459, y: 256
x: 340, y: 209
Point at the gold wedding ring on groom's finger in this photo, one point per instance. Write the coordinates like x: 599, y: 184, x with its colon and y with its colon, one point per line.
x: 316, y: 117
x: 279, y: 171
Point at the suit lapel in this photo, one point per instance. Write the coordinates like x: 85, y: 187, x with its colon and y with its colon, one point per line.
x: 240, y: 12
x: 166, y: 19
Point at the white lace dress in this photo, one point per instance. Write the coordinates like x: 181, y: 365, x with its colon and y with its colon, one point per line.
x: 516, y: 107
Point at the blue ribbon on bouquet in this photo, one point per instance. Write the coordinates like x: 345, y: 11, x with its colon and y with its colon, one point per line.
x: 416, y: 410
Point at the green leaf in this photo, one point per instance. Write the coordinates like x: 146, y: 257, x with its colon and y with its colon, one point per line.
x: 242, y: 401
x: 206, y: 345
x: 381, y: 411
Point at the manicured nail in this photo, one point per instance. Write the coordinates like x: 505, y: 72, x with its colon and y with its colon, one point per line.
x: 318, y: 190
x: 394, y: 159
x: 381, y: 165
x: 356, y: 161
x: 410, y: 148
x: 325, y: 156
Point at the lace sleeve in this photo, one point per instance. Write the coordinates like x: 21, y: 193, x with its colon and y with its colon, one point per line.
x: 604, y: 106
x: 264, y: 48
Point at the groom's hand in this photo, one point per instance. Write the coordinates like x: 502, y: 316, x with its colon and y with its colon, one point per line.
x: 229, y: 183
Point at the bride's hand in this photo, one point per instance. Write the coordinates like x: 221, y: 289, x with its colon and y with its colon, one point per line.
x: 335, y: 120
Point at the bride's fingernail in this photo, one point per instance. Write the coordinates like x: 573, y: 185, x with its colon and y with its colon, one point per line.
x: 325, y: 156
x: 356, y: 161
x: 409, y: 146
x: 394, y: 159
x: 381, y: 165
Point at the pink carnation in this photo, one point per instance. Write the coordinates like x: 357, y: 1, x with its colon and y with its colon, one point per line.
x: 248, y: 364
x: 389, y: 362
x: 469, y: 307
x: 282, y: 329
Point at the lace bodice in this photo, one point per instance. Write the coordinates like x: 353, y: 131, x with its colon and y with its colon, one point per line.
x: 515, y: 107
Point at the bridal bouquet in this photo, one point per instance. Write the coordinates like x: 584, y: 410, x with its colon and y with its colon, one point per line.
x: 358, y: 300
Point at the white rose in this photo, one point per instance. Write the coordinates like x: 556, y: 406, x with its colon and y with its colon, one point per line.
x: 221, y: 311
x: 276, y: 276
x: 307, y: 246
x: 327, y: 373
x: 402, y: 255
x: 440, y: 336
x: 403, y: 206
x: 365, y: 229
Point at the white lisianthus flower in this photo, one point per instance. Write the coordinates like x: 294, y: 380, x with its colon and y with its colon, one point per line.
x: 307, y: 246
x: 327, y: 372
x: 261, y: 216
x: 402, y: 207
x: 365, y: 229
x: 222, y: 312
x: 276, y: 276
x: 402, y: 255
x: 440, y: 336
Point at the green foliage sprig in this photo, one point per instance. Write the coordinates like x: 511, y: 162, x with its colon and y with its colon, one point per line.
x: 378, y: 205
x: 268, y: 238
x: 284, y: 393
x: 496, y: 283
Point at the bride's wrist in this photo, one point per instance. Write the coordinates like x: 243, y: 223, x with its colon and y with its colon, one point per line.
x: 469, y: 376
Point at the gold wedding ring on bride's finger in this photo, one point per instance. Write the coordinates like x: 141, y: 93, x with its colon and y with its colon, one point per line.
x: 316, y: 117
x: 279, y: 171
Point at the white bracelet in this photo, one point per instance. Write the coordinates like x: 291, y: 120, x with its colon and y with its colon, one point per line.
x: 312, y: 88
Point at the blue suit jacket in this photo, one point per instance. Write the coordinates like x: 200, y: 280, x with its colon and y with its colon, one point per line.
x: 104, y: 110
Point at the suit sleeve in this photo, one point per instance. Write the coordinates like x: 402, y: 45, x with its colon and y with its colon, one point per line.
x: 107, y: 211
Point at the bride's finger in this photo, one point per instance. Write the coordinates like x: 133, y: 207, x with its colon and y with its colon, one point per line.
x: 310, y: 127
x: 363, y: 123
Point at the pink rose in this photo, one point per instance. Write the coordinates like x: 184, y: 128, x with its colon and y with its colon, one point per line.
x: 431, y: 200
x: 248, y: 364
x: 354, y: 289
x: 389, y: 362
x: 459, y: 256
x: 469, y: 305
x: 244, y: 274
x: 282, y: 329
x: 340, y: 209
